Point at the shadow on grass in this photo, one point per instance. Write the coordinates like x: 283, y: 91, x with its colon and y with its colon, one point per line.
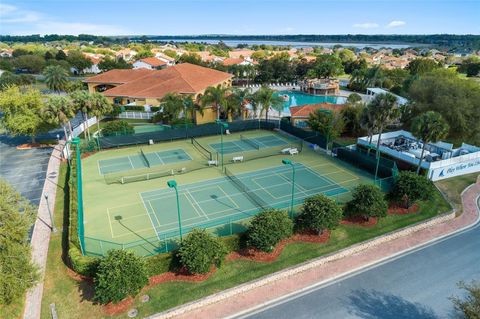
x: 378, y: 305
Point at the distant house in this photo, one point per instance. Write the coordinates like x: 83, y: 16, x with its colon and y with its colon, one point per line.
x: 237, y: 61
x: 371, y: 92
x: 6, y: 53
x: 300, y: 114
x: 165, y: 58
x: 150, y: 63
x: 242, y: 53
x: 94, y: 68
x: 126, y: 54
x: 147, y: 87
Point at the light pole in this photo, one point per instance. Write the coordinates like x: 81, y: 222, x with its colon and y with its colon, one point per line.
x: 173, y: 184
x: 52, y: 226
x: 223, y: 126
x: 289, y: 162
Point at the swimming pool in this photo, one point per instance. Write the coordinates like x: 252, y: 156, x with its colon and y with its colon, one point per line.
x: 298, y: 98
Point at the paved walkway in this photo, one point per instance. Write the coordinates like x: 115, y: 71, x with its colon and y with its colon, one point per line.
x: 41, y: 233
x: 323, y: 273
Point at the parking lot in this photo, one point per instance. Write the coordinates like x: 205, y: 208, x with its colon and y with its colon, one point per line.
x: 25, y: 170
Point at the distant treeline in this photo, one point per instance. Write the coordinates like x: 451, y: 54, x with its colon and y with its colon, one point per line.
x: 448, y: 41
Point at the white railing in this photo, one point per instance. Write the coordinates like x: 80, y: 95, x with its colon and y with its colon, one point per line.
x: 136, y: 115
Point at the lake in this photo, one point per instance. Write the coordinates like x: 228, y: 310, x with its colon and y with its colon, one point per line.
x: 294, y: 44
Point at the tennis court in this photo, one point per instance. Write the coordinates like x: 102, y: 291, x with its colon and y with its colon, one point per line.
x: 142, y: 160
x: 220, y: 200
x: 245, y: 144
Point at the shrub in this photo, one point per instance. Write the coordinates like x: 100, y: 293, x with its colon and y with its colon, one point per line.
x: 160, y: 264
x: 319, y: 213
x: 469, y: 305
x: 117, y: 128
x: 200, y: 250
x: 411, y: 187
x: 268, y: 228
x: 367, y: 201
x: 120, y: 274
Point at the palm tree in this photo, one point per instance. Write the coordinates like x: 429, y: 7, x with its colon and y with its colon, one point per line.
x: 85, y: 103
x: 216, y: 97
x: 385, y: 110
x: 237, y: 102
x: 172, y: 105
x: 368, y: 123
x: 100, y: 107
x: 429, y: 127
x: 58, y: 111
x: 266, y: 98
x: 189, y: 105
x: 56, y: 77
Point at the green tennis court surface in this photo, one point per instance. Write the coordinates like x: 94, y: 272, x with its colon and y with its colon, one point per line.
x: 222, y: 200
x: 138, y: 160
x: 245, y: 144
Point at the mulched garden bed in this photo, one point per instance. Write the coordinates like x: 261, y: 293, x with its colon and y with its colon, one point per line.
x: 260, y: 256
x: 181, y: 275
x: 359, y: 220
x: 112, y: 309
x: 397, y: 210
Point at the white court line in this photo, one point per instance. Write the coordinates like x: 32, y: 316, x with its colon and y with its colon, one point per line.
x: 154, y: 213
x: 130, y: 161
x: 193, y: 204
x: 161, y: 160
x: 110, y: 223
x: 149, y: 217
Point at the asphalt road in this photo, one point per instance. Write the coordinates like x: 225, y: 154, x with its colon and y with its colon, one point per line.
x: 415, y: 285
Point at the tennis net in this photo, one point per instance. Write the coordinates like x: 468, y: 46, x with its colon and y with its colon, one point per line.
x: 199, y: 147
x: 145, y: 159
x: 250, y: 142
x: 244, y: 189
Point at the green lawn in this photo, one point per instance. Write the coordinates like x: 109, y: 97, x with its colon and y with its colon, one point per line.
x: 73, y: 299
x: 453, y: 187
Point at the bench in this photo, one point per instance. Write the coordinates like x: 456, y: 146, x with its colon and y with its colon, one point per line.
x: 293, y: 151
x: 212, y: 163
x: 237, y: 159
x: 286, y: 150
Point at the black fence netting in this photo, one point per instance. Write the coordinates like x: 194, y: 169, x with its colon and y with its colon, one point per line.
x: 183, y: 133
x: 365, y: 160
x: 308, y: 136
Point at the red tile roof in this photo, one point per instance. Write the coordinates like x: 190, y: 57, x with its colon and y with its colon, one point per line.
x: 306, y: 110
x: 232, y: 61
x: 154, y: 62
x: 182, y: 78
x: 119, y: 76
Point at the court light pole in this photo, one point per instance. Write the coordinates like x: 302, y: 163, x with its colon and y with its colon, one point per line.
x: 223, y: 126
x: 289, y: 162
x: 173, y: 184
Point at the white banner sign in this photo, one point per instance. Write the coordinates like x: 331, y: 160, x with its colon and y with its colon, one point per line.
x: 457, y: 169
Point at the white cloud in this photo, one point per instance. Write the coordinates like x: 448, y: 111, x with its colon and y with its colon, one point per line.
x: 23, y: 22
x: 395, y: 23
x: 367, y: 25
x: 12, y: 14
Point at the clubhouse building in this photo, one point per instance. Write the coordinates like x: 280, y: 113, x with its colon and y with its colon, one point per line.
x: 146, y: 87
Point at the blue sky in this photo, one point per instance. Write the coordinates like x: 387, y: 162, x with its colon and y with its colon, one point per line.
x: 177, y: 17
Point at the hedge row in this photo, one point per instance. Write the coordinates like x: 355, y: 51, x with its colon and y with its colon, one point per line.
x: 83, y: 265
